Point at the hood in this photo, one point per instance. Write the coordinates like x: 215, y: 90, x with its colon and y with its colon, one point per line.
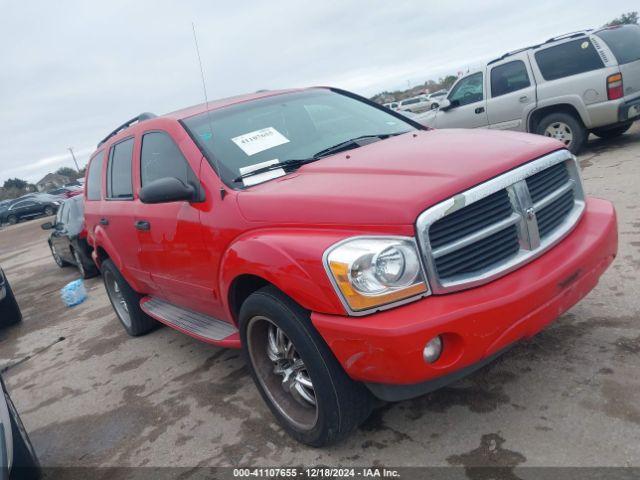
x: 392, y: 181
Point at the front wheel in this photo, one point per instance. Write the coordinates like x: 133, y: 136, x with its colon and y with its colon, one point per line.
x: 434, y: 106
x: 611, y: 132
x: 295, y: 372
x: 25, y: 462
x: 48, y: 211
x: 12, y: 219
x: 125, y: 301
x: 566, y: 128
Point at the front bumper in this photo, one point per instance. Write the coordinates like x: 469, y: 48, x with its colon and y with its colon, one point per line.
x: 384, y: 350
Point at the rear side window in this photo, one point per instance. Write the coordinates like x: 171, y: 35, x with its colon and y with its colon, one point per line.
x: 623, y: 41
x: 94, y: 178
x: 570, y: 58
x: 161, y: 158
x: 119, y: 184
x: 508, y: 78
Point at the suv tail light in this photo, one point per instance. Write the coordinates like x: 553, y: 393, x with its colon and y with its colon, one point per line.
x: 614, y: 86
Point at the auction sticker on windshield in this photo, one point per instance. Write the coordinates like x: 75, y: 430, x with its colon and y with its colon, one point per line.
x: 259, y: 140
x: 260, y: 177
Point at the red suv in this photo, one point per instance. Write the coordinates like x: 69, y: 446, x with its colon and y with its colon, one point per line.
x: 348, y: 251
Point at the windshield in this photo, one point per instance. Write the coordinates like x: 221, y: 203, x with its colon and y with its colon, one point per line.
x: 284, y: 127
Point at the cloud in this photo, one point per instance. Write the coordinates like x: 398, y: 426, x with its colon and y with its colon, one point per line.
x: 73, y: 70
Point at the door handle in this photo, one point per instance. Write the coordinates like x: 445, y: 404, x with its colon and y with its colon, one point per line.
x: 142, y: 225
x: 480, y: 110
x: 104, y: 221
x: 523, y: 99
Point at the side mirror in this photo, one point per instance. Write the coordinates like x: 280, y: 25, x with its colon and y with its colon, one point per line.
x: 165, y: 190
x: 445, y: 104
x: 47, y: 226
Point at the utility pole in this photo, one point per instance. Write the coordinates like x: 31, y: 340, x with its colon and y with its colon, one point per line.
x: 74, y: 159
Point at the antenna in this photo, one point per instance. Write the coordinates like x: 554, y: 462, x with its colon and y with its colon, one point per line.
x: 206, y: 103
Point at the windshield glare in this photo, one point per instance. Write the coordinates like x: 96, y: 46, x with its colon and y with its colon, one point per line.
x: 283, y: 127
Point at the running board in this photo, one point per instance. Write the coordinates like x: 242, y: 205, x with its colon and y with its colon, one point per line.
x: 198, y: 325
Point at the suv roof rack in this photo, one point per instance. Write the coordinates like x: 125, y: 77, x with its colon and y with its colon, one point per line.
x: 140, y: 118
x: 579, y: 33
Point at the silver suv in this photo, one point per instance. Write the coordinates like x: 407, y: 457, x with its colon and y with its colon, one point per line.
x: 564, y: 88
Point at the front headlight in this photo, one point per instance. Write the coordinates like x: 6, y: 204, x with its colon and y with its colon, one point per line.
x: 374, y: 271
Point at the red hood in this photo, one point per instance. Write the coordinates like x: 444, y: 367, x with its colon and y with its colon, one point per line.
x: 392, y: 181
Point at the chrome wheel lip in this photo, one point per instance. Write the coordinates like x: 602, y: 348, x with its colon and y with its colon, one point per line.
x: 282, y: 374
x: 560, y: 131
x: 117, y: 299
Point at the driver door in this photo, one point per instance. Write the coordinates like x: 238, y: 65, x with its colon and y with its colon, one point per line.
x: 467, y: 107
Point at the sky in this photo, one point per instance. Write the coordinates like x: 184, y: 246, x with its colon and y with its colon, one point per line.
x: 71, y: 71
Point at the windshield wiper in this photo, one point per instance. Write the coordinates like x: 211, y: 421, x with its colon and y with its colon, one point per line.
x: 352, y: 143
x: 296, y: 163
x: 291, y: 164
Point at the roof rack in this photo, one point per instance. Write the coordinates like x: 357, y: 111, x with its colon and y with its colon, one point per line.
x: 508, y: 54
x: 553, y: 39
x: 140, y: 118
x: 579, y: 33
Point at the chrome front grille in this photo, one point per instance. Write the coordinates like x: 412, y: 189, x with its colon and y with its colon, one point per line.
x: 495, y: 227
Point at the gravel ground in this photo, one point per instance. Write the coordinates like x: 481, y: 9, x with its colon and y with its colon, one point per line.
x: 92, y: 396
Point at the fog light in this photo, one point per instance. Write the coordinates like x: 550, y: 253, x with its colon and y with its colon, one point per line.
x: 432, y: 350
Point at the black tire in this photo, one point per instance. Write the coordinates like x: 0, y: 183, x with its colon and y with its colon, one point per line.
x: 341, y: 403
x: 434, y: 106
x: 25, y: 461
x: 86, y: 270
x: 57, y: 258
x: 611, y: 132
x: 48, y: 211
x: 137, y: 322
x: 12, y: 219
x: 574, y: 127
x: 10, y: 313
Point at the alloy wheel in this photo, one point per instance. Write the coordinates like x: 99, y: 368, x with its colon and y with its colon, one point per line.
x: 117, y: 298
x: 560, y: 131
x: 56, y: 257
x: 281, y: 372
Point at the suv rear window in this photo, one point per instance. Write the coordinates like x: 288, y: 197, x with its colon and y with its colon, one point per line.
x: 570, y: 58
x: 509, y: 77
x: 94, y: 178
x: 119, y: 184
x: 623, y: 41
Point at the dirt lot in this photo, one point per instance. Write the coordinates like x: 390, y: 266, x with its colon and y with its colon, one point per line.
x: 91, y: 395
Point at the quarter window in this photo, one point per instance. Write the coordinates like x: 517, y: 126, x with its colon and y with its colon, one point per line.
x: 94, y: 178
x: 509, y: 77
x: 119, y: 171
x: 570, y: 58
x: 161, y: 158
x: 468, y: 90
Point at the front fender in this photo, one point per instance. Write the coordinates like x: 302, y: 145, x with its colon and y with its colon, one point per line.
x: 289, y: 259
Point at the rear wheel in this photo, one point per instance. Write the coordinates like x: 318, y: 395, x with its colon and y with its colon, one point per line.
x: 295, y: 372
x: 48, y: 211
x: 85, y: 272
x: 9, y: 309
x: 125, y: 301
x: 12, y: 220
x: 56, y: 256
x: 434, y: 106
x: 611, y: 132
x: 566, y: 128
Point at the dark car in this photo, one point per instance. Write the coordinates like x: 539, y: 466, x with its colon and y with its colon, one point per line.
x: 28, y: 207
x: 68, y: 240
x: 9, y: 309
x: 18, y: 459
